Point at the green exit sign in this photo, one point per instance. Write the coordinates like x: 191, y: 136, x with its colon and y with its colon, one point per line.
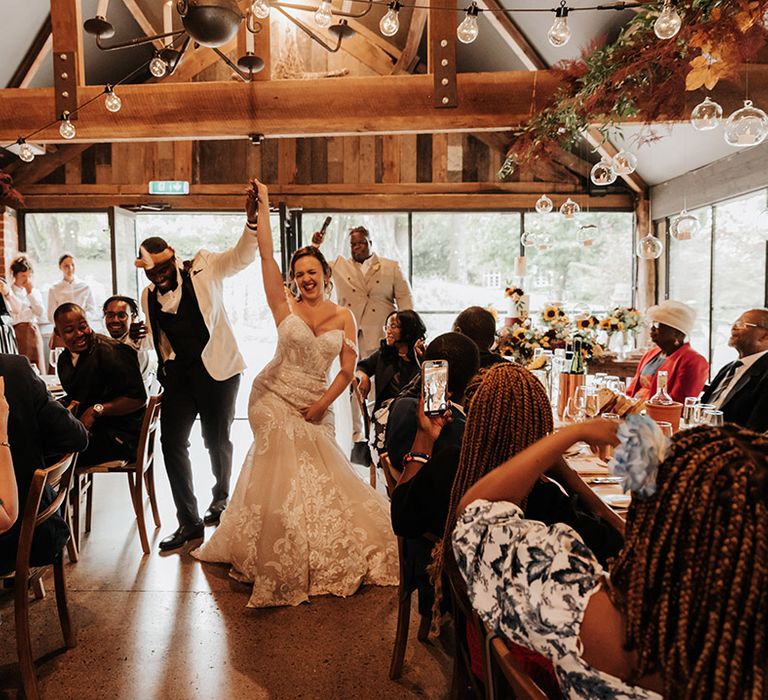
x: 168, y: 187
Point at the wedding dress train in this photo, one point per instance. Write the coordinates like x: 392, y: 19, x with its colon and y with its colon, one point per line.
x: 300, y: 521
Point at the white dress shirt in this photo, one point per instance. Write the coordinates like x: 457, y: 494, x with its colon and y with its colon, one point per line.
x: 76, y: 292
x: 746, y: 363
x: 25, y: 308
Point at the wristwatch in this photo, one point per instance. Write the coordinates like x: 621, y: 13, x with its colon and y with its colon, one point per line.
x: 98, y: 408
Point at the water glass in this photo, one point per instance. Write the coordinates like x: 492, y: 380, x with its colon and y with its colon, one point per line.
x: 690, y: 409
x: 666, y: 427
x: 699, y: 414
x: 606, y: 452
x: 712, y: 417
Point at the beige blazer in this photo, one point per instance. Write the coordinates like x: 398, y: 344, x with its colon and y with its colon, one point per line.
x: 370, y: 297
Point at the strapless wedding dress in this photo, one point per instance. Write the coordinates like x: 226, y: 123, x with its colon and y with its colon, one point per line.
x: 300, y: 521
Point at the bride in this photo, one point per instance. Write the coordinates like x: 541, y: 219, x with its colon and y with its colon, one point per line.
x: 300, y: 521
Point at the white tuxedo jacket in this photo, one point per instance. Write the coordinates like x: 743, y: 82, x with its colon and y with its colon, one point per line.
x: 370, y: 297
x: 221, y: 356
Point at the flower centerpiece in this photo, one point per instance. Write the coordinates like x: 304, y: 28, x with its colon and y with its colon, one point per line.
x: 624, y: 320
x: 517, y: 305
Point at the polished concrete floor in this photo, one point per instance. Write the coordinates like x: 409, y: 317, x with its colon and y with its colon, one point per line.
x: 169, y: 627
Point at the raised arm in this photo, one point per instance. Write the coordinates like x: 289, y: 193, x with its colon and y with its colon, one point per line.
x: 257, y: 211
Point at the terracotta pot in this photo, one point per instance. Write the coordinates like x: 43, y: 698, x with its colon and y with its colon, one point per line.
x: 568, y: 384
x: 669, y: 412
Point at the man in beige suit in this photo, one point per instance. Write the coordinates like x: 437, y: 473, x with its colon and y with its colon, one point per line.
x: 371, y: 288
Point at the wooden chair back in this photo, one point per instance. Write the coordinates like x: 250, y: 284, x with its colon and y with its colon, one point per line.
x: 145, y: 451
x: 502, y: 665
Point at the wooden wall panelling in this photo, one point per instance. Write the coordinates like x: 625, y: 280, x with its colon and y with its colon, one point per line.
x: 390, y: 158
x: 319, y: 159
x: 424, y: 158
x: 165, y: 160
x: 335, y: 150
x: 253, y: 161
x: 269, y: 160
x: 495, y: 159
x: 439, y: 157
x: 408, y: 157
x: 351, y: 158
x: 303, y: 161
x: 286, y: 160
x: 73, y: 171
x: 223, y: 161
x: 182, y: 160
x: 367, y: 172
x: 454, y: 156
x: 103, y: 163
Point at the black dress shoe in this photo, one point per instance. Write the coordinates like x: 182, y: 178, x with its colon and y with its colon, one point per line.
x: 184, y: 534
x: 213, y: 514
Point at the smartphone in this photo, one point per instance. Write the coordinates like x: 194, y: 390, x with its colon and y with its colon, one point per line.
x: 435, y: 386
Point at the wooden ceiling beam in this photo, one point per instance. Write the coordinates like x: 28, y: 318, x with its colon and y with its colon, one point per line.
x: 33, y: 59
x: 143, y: 21
x: 410, y: 54
x: 42, y: 166
x: 287, y: 108
x: 68, y: 67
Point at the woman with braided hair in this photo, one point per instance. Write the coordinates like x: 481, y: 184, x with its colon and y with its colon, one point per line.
x: 685, y: 611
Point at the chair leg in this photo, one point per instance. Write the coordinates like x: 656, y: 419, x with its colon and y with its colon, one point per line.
x: 401, y: 634
x: 38, y: 587
x: 23, y: 642
x: 61, y: 603
x: 138, y: 507
x: 149, y: 482
x: 372, y: 468
x: 424, y: 624
x: 75, y: 496
x: 88, y: 502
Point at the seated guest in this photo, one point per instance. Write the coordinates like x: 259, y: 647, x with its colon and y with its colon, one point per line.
x: 25, y: 304
x: 392, y: 366
x: 687, y: 370
x: 40, y: 431
x: 682, y: 612
x: 740, y: 389
x: 9, y: 492
x: 478, y: 324
x: 120, y: 313
x: 103, y: 376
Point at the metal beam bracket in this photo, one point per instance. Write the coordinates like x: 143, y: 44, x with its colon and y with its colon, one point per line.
x: 65, y: 82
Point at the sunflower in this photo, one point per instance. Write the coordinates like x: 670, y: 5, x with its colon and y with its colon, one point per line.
x: 519, y: 334
x: 551, y: 313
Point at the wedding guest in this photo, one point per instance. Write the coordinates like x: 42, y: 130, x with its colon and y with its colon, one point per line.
x: 71, y: 289
x: 103, y: 376
x: 199, y: 366
x: 40, y: 430
x: 681, y: 611
x: 25, y: 304
x: 478, y: 324
x: 740, y: 388
x: 9, y: 492
x: 120, y: 313
x: 371, y: 288
x: 687, y: 370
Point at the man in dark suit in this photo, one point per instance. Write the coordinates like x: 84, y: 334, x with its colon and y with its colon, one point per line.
x: 40, y: 431
x: 740, y: 388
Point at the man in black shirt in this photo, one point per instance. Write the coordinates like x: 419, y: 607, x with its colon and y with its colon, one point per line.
x: 103, y: 376
x: 479, y: 325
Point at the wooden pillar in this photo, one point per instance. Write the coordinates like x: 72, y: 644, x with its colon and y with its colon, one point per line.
x: 9, y: 238
x: 645, y: 292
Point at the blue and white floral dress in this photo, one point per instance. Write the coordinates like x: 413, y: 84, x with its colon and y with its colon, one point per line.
x: 531, y: 583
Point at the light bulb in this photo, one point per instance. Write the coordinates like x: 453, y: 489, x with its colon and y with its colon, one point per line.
x: 586, y: 235
x: 112, y: 102
x: 706, y: 115
x: 260, y: 9
x: 390, y: 22
x: 468, y: 30
x: 528, y: 239
x: 560, y: 33
x: 747, y: 126
x: 25, y: 152
x: 323, y: 14
x: 624, y: 163
x: 668, y: 22
x: 158, y: 67
x: 569, y: 208
x: 543, y: 204
x: 684, y: 227
x: 649, y: 248
x: 66, y: 128
x: 602, y: 173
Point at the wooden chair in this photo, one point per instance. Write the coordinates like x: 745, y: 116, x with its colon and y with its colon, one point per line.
x: 503, y: 672
x: 366, y: 428
x: 59, y: 476
x: 140, y: 474
x: 403, y: 594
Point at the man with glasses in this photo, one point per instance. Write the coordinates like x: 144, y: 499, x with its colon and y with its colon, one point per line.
x: 120, y: 313
x: 740, y: 389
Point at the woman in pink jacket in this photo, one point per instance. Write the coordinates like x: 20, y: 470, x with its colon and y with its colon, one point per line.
x: 687, y: 370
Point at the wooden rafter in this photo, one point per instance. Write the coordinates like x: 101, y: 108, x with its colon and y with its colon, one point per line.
x: 143, y: 21
x: 410, y: 53
x: 68, y: 67
x: 33, y: 59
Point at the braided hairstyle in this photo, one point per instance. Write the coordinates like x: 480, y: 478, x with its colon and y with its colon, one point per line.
x: 508, y: 411
x: 692, y: 578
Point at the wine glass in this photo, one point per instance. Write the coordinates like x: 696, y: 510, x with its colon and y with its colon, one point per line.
x: 571, y: 412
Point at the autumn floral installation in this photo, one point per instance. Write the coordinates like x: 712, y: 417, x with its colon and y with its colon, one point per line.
x: 9, y: 197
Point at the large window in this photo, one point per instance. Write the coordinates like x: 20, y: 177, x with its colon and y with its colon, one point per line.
x: 731, y: 252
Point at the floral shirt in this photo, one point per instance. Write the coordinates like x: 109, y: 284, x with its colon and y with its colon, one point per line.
x: 531, y: 583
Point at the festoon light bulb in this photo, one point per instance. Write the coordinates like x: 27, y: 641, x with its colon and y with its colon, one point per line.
x: 468, y: 30
x: 157, y: 66
x: 260, y: 9
x: 25, y: 152
x: 67, y: 128
x: 324, y: 14
x: 560, y: 33
x: 668, y: 23
x: 389, y: 24
x: 112, y: 102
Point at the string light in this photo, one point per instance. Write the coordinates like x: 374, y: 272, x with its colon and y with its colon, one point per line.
x: 560, y: 33
x: 668, y: 23
x: 157, y: 66
x: 260, y: 9
x: 468, y: 30
x: 324, y: 14
x: 389, y: 24
x: 67, y: 128
x: 112, y: 102
x: 25, y: 152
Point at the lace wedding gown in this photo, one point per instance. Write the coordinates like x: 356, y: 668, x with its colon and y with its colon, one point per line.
x: 300, y: 521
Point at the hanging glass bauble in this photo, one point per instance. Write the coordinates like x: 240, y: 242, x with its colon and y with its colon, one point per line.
x: 649, y: 248
x: 602, y: 173
x: 586, y: 235
x: 543, y: 204
x: 569, y: 208
x: 684, y: 227
x: 529, y: 239
x: 624, y: 163
x: 543, y: 242
x: 706, y: 115
x: 747, y: 126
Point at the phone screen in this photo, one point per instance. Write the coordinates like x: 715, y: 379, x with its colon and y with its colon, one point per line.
x: 435, y: 386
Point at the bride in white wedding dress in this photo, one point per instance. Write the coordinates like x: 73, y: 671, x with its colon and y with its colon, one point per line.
x: 300, y: 521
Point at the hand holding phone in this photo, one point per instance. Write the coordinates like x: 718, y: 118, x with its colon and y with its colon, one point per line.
x: 435, y: 387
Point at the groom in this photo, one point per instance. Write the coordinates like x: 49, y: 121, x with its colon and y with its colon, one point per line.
x: 199, y: 366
